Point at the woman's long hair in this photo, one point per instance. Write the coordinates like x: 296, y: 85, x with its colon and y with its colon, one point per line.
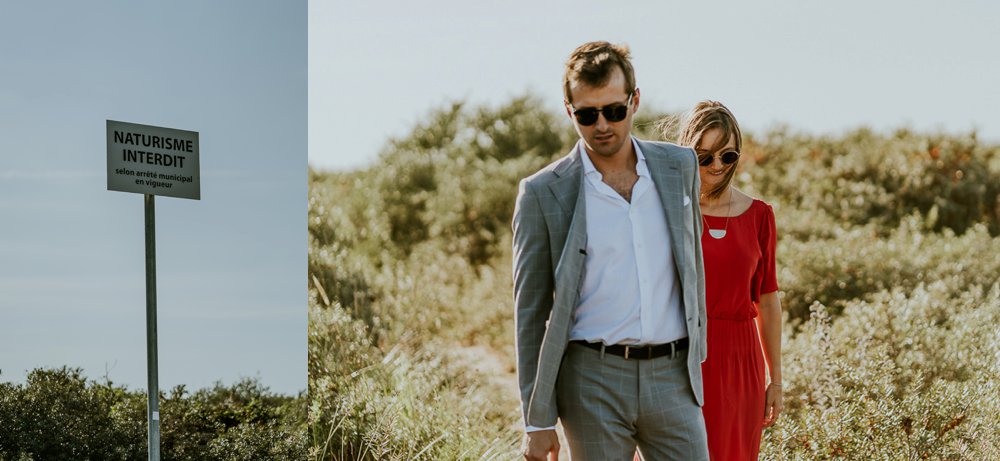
x: 704, y: 116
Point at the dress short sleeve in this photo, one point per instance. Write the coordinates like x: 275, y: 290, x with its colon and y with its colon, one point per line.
x: 765, y: 280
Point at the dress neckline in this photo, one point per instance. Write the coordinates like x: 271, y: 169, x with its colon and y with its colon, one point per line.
x: 753, y: 203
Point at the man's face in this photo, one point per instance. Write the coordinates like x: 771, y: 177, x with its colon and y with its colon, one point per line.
x: 604, y: 138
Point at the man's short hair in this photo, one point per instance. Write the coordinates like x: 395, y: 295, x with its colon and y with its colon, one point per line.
x: 593, y: 63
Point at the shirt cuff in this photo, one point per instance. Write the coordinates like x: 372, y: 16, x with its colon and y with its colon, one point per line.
x: 536, y: 429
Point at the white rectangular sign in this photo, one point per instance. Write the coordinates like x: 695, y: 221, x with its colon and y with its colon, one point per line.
x: 153, y: 160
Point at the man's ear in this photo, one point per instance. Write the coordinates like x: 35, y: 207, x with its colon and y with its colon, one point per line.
x: 635, y: 100
x: 569, y: 112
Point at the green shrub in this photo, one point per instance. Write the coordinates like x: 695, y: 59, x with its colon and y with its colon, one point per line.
x: 453, y: 178
x: 198, y: 425
x: 58, y: 414
x: 55, y: 415
x: 911, y: 374
x: 863, y: 177
x: 258, y: 441
x: 857, y: 261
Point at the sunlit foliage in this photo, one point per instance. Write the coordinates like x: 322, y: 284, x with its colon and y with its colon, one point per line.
x: 58, y: 414
x: 888, y: 266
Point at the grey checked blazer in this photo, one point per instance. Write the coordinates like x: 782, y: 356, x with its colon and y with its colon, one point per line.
x: 550, y: 237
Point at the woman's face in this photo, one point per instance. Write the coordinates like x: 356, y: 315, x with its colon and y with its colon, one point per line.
x: 715, y: 172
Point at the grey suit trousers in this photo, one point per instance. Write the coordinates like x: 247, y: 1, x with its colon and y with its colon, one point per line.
x: 610, y: 405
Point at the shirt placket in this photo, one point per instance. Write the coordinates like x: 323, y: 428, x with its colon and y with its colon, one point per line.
x: 641, y: 250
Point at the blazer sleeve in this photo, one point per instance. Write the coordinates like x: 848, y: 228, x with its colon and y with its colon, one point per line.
x: 533, y: 288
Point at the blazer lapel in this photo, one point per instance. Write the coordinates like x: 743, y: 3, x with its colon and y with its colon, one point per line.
x: 566, y: 188
x: 666, y: 173
x: 568, y: 192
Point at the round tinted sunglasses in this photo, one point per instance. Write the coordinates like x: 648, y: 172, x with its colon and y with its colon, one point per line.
x: 587, y: 116
x: 728, y: 158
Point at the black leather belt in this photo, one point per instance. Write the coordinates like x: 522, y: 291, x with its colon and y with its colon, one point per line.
x: 639, y: 352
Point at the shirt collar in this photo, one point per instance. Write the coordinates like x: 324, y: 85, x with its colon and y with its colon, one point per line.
x: 589, y: 168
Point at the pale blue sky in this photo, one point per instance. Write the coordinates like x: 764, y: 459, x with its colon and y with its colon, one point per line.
x: 230, y: 267
x: 377, y: 67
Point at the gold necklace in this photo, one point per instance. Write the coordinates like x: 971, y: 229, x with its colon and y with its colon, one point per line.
x: 720, y: 233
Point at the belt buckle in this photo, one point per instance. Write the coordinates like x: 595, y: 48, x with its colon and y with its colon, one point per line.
x: 627, y: 348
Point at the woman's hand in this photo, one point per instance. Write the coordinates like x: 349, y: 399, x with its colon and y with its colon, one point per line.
x: 773, y: 404
x: 769, y: 324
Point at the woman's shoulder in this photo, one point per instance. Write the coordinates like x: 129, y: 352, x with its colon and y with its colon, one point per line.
x: 761, y: 206
x: 754, y: 206
x: 763, y: 213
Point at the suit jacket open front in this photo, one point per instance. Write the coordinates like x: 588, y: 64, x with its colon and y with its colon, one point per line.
x: 550, y: 239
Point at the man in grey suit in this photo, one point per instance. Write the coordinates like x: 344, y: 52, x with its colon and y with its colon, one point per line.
x: 609, y: 288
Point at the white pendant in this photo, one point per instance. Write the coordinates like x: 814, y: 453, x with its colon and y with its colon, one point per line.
x: 717, y: 233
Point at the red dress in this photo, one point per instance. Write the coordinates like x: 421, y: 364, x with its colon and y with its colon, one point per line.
x: 738, y: 269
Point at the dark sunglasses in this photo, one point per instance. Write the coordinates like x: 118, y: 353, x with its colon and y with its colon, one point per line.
x: 728, y: 158
x: 614, y: 113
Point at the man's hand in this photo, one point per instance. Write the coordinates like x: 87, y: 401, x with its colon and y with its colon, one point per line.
x: 538, y: 444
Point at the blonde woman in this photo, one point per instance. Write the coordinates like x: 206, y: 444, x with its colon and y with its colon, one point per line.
x: 741, y: 290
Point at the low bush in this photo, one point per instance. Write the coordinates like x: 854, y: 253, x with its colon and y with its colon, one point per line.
x: 863, y: 177
x: 854, y: 262
x: 911, y: 374
x: 58, y: 414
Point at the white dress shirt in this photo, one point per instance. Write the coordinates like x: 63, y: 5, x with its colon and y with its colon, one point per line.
x: 630, y: 292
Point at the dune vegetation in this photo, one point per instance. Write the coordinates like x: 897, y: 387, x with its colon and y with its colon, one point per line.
x: 888, y: 264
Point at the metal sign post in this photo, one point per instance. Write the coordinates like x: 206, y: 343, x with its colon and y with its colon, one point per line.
x: 153, y: 161
x: 153, y: 407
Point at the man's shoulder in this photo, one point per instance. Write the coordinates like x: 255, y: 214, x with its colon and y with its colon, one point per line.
x: 553, y: 171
